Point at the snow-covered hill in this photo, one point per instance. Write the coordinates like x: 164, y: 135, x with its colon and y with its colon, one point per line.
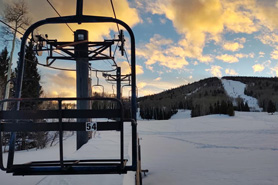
x: 235, y: 89
x: 207, y: 150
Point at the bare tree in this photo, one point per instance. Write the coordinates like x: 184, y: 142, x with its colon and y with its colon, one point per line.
x: 15, y: 14
x: 4, y: 60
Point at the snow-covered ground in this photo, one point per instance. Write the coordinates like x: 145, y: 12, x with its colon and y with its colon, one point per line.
x: 235, y: 89
x: 208, y: 150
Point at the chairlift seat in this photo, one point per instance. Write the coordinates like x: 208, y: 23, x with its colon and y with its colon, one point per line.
x: 35, y: 121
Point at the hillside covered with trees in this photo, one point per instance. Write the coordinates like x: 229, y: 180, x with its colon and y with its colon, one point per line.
x: 265, y: 90
x: 208, y: 96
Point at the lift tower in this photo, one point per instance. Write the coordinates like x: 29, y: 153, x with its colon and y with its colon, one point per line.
x: 82, y: 76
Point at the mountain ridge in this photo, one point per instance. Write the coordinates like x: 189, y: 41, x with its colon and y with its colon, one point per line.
x: 207, y: 95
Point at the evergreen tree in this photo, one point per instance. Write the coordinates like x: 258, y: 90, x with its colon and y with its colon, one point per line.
x: 217, y: 108
x: 223, y: 107
x: 230, y: 109
x: 211, y: 111
x: 4, y: 63
x: 31, y: 88
x: 271, y: 108
x: 196, y: 111
x: 246, y: 107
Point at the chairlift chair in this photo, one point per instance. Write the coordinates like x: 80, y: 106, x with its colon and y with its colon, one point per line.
x: 18, y: 120
x: 98, y: 85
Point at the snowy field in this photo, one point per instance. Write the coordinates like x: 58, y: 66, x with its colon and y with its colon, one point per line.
x: 208, y: 150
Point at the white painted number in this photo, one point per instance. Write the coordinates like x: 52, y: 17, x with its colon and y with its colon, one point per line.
x: 91, y: 126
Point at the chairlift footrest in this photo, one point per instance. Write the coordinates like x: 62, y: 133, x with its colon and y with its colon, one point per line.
x: 70, y: 167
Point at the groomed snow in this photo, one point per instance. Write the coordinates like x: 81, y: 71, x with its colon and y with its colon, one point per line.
x: 235, y: 89
x: 208, y: 150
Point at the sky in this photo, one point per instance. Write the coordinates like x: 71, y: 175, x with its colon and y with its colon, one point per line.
x: 177, y: 41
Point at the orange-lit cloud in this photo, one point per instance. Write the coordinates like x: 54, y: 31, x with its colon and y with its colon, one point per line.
x: 266, y: 12
x: 93, y: 7
x: 261, y: 54
x: 62, y: 84
x: 139, y: 70
x: 230, y: 72
x: 227, y: 58
x: 160, y: 50
x: 241, y: 55
x: 238, y: 19
x: 258, y: 68
x: 200, y: 21
x: 274, y: 53
x: 125, y: 68
x: 141, y: 85
x: 205, y: 59
x: 215, y: 70
x: 261, y: 67
x: 234, y: 46
x: 157, y: 79
x: 268, y: 38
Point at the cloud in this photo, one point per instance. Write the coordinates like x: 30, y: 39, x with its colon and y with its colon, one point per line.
x: 274, y: 53
x: 162, y: 51
x: 157, y: 79
x: 239, y: 16
x: 242, y: 55
x: 266, y: 12
x: 231, y: 72
x: 215, y: 71
x: 268, y: 38
x: 258, y: 68
x: 64, y: 78
x: 274, y: 70
x: 172, y: 62
x: 92, y: 7
x: 261, y: 54
x: 227, y: 58
x: 234, y: 46
x: 205, y: 59
x: 234, y: 58
x: 261, y: 67
x: 163, y: 21
x: 194, y: 19
x: 149, y: 20
x: 200, y: 21
x: 61, y: 84
x: 139, y: 70
x: 126, y: 69
x: 195, y: 63
x: 141, y: 85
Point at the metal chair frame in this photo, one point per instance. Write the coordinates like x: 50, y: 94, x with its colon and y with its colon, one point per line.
x: 15, y: 120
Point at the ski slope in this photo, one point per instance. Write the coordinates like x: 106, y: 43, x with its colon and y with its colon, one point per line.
x: 235, y: 89
x: 208, y: 150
